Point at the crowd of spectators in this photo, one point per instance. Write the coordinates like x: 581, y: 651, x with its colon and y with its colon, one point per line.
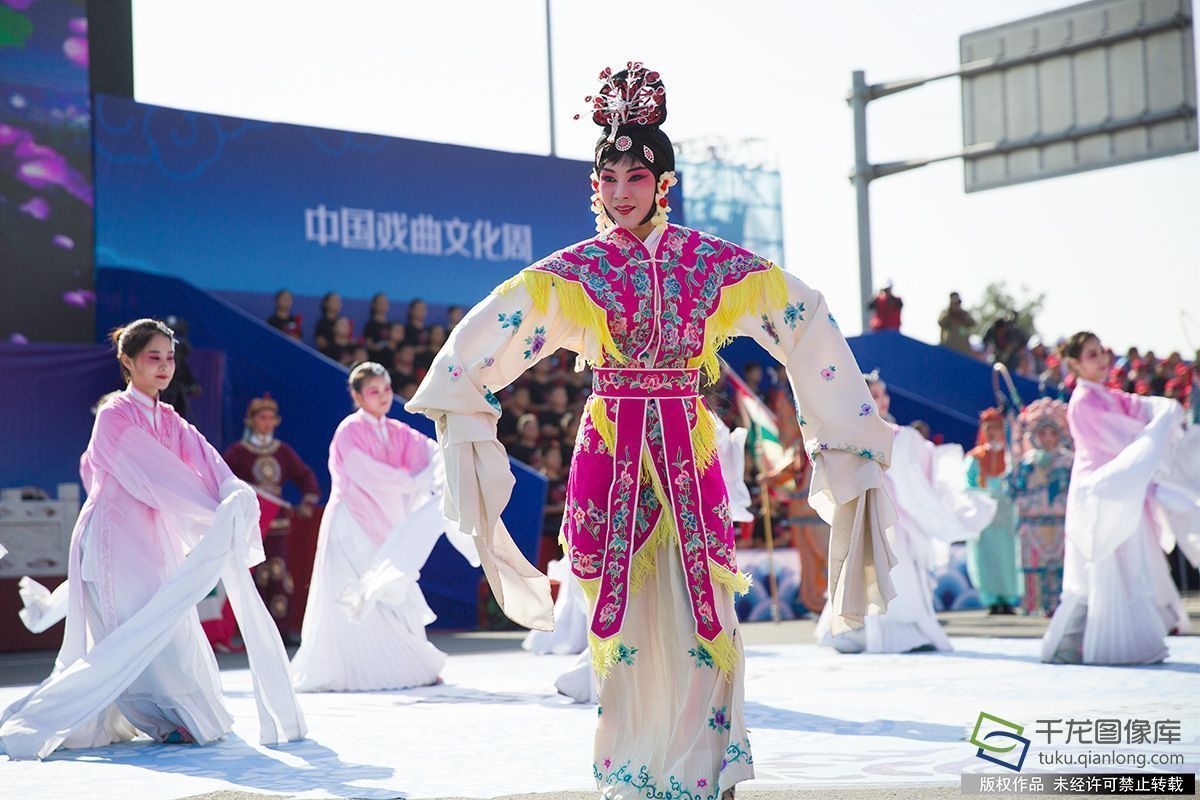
x: 1006, y: 342
x: 406, y: 349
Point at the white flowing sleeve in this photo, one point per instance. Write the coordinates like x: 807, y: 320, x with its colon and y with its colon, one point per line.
x: 499, y: 339
x: 848, y: 442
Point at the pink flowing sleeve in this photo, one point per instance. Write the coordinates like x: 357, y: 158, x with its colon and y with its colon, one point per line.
x: 153, y: 474
x: 372, y: 476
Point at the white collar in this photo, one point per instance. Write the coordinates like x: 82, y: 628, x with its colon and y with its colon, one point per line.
x: 378, y: 424
x: 141, y: 398
x: 260, y: 440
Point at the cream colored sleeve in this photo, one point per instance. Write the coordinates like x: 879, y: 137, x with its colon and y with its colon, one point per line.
x: 498, y: 340
x: 847, y: 441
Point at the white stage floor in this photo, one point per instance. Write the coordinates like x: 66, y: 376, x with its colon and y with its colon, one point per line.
x: 496, y: 727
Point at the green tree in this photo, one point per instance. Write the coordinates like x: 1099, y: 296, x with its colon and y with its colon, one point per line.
x: 999, y: 301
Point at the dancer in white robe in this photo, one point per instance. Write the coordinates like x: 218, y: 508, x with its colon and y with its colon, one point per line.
x: 932, y: 512
x: 364, y: 625
x: 1118, y: 600
x: 163, y: 521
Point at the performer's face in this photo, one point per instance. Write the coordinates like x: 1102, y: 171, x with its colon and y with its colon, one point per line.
x: 1048, y: 438
x: 265, y: 422
x: 883, y: 400
x: 151, y: 370
x: 627, y: 191
x: 993, y: 432
x: 376, y: 395
x: 1093, y: 362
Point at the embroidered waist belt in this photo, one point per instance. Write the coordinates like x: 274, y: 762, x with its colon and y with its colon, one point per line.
x: 629, y: 392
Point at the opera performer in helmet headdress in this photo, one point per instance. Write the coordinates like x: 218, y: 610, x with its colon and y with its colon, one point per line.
x: 1043, y: 474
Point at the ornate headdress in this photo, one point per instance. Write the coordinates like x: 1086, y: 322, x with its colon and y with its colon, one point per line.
x: 991, y: 462
x: 1043, y: 413
x: 630, y: 106
x: 264, y: 403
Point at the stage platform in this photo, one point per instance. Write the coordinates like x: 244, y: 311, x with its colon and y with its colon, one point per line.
x: 818, y: 720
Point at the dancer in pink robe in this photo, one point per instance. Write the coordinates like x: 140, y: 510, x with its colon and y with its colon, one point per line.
x: 364, y: 626
x: 1118, y: 600
x: 163, y: 521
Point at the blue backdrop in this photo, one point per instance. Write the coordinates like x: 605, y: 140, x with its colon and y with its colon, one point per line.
x: 243, y: 206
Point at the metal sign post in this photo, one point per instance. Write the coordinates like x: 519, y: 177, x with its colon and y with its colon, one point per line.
x: 1094, y: 85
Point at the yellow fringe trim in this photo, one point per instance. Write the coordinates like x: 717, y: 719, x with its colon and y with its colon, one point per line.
x: 723, y: 652
x: 604, y: 653
x: 736, y: 582
x: 573, y: 301
x: 757, y: 293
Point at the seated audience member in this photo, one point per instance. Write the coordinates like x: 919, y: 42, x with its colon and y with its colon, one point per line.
x: 415, y: 332
x: 340, y: 346
x: 454, y: 315
x: 282, y: 318
x: 331, y: 309
x: 378, y: 327
x: 515, y: 405
x: 404, y: 366
x: 526, y: 446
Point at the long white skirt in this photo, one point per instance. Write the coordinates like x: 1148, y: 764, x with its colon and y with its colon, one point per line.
x: 1116, y: 610
x: 181, y: 687
x: 386, y: 649
x: 669, y: 723
x: 579, y: 682
x: 910, y: 622
x: 570, y: 616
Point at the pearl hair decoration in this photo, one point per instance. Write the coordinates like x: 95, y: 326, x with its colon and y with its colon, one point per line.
x: 646, y: 151
x: 623, y: 143
x: 661, y: 207
x: 603, y: 221
x: 638, y: 98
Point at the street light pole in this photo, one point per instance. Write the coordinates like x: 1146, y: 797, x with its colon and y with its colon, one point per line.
x: 550, y: 80
x: 859, y: 95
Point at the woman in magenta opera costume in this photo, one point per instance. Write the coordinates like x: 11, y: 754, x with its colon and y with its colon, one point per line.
x: 1129, y: 497
x: 164, y: 520
x: 647, y: 528
x: 364, y: 626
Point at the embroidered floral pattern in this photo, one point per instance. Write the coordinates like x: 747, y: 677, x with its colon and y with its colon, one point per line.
x: 626, y: 654
x: 648, y: 381
x: 646, y: 786
x: 492, y: 399
x: 719, y: 720
x: 827, y: 374
x: 864, y: 409
x: 456, y: 372
x: 723, y: 513
x: 512, y: 320
x: 583, y: 563
x: 702, y: 656
x: 738, y: 753
x: 865, y: 452
x: 535, y: 343
x: 793, y: 313
x: 769, y: 327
